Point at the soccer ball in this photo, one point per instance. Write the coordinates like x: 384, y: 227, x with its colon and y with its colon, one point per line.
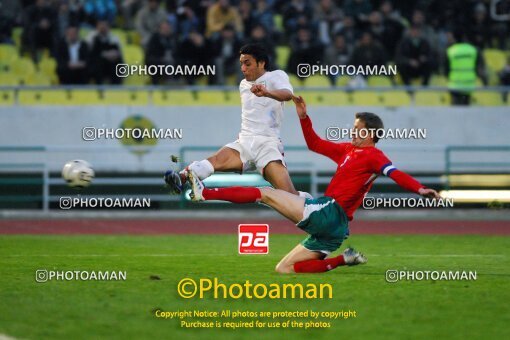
x: 78, y: 173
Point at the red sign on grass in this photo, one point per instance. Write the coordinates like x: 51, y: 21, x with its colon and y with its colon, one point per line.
x: 253, y: 239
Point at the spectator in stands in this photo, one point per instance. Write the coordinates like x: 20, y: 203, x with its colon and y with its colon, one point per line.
x: 187, y: 21
x: 327, y: 15
x: 264, y: 16
x: 497, y: 22
x: 221, y: 14
x: 245, y: 8
x: 504, y: 78
x: 129, y: 8
x: 171, y: 14
x: 259, y: 35
x: 368, y: 52
x: 9, y: 17
x: 295, y: 14
x: 148, y: 19
x: 339, y: 53
x: 419, y: 20
x: 504, y: 74
x: 348, y: 29
x: 100, y: 10
x: 359, y: 10
x: 72, y: 58
x: 195, y: 50
x: 70, y: 13
x: 393, y: 27
x: 465, y: 62
x: 40, y: 27
x: 479, y: 32
x: 304, y: 50
x: 161, y: 49
x: 413, y: 57
x: 105, y: 54
x: 226, y: 50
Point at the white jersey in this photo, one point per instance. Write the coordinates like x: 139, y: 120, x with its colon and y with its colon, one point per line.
x: 262, y: 116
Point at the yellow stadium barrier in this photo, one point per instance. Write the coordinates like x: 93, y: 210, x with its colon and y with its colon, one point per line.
x: 175, y: 97
x: 6, y: 98
x: 124, y: 97
x: 432, y: 98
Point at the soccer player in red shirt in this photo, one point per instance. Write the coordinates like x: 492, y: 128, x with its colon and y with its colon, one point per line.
x: 326, y: 218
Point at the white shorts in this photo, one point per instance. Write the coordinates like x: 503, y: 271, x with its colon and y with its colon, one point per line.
x: 257, y: 152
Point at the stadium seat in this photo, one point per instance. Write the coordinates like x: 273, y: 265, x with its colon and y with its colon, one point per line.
x: 232, y: 80
x: 124, y: 97
x: 278, y: 22
x: 282, y: 56
x: 43, y: 97
x: 380, y: 81
x: 85, y: 32
x: 396, y: 98
x: 317, y: 81
x: 134, y: 38
x: 219, y: 98
x: 438, y: 80
x: 327, y: 98
x: 48, y: 66
x: 295, y: 81
x: 9, y: 79
x: 136, y: 80
x: 487, y: 98
x: 365, y: 98
x: 84, y: 97
x: 8, y: 53
x: 6, y: 97
x: 233, y: 97
x: 132, y: 54
x: 175, y: 97
x: 432, y: 98
x: 211, y: 97
x: 495, y: 59
x: 343, y: 81
x: 121, y: 34
x: 22, y: 67
x: 38, y: 79
x: 59, y: 97
x: 17, y: 32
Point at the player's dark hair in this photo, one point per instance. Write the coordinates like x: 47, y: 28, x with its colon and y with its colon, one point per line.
x: 372, y: 123
x: 258, y: 52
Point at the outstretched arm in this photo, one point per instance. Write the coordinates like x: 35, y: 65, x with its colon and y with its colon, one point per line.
x: 329, y: 149
x: 409, y: 183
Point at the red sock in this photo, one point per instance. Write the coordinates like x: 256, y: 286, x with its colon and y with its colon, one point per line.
x: 233, y: 194
x: 319, y: 266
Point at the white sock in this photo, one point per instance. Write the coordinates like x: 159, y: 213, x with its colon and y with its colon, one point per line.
x: 202, y: 169
x: 305, y: 195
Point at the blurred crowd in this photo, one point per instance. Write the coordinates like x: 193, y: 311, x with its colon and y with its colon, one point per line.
x: 414, y: 35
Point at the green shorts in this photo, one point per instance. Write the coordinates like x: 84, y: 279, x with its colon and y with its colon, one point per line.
x: 326, y: 223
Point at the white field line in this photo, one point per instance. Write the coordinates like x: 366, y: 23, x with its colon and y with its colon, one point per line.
x: 6, y: 337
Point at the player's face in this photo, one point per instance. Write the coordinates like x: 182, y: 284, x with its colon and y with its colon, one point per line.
x: 360, y: 136
x: 250, y: 68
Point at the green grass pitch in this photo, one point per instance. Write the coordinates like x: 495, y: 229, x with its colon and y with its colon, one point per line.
x: 124, y: 309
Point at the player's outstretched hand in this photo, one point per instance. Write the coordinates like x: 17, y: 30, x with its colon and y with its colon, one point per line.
x: 259, y: 90
x: 300, y: 106
x: 429, y: 193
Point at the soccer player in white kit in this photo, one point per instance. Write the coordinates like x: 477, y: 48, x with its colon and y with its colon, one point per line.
x: 259, y: 147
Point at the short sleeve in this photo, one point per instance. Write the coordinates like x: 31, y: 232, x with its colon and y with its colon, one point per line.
x: 280, y: 81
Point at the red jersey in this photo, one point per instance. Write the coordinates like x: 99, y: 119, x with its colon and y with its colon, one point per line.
x: 357, y: 169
